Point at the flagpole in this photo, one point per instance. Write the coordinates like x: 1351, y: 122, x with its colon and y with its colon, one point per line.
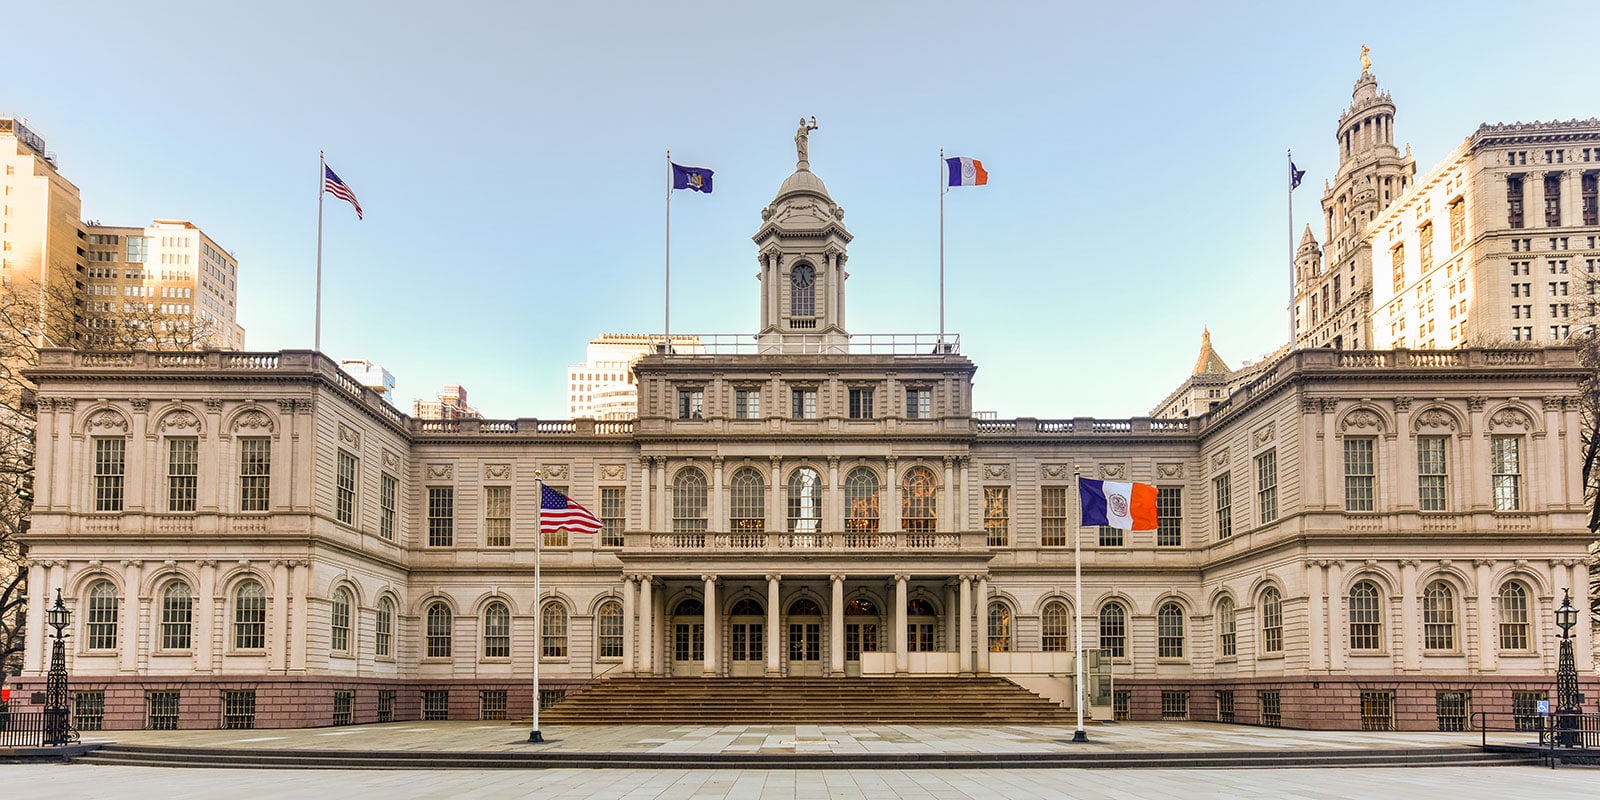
x: 666, y: 324
x: 536, y: 736
x: 1078, y: 735
x: 1291, y: 249
x: 943, y: 189
x: 322, y: 177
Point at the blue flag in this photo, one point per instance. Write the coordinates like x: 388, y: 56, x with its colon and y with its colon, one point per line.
x: 695, y: 178
x: 1294, y: 176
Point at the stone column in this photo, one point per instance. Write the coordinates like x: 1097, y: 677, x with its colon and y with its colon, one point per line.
x: 628, y: 610
x: 1488, y: 643
x: 663, y: 500
x: 718, y: 512
x: 1546, y: 490
x: 300, y: 622
x: 965, y: 498
x: 645, y: 519
x: 952, y: 617
x: 947, y: 514
x: 1410, y: 644
x: 902, y: 656
x: 1475, y: 466
x: 709, y: 669
x: 278, y: 619
x: 889, y: 513
x: 204, y: 617
x: 772, y: 643
x: 131, y: 621
x: 964, y: 622
x: 1316, y: 491
x: 1571, y: 198
x: 776, y: 510
x: 836, y: 627
x: 142, y: 442
x: 41, y: 597
x: 1583, y: 635
x: 1332, y: 457
x: 1533, y: 189
x: 1316, y: 621
x: 647, y: 630
x: 1405, y: 489
x: 833, y: 499
x: 981, y: 612
x: 1336, y: 638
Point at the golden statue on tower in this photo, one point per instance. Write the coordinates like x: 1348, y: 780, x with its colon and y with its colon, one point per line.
x: 1366, y: 60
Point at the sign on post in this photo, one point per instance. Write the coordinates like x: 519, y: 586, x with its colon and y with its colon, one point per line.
x: 1544, y: 708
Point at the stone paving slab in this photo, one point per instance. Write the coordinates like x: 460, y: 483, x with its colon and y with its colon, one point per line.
x: 1193, y: 737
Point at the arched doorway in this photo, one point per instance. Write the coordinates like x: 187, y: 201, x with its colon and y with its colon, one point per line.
x: 921, y: 623
x: 805, y: 638
x: 747, y: 626
x: 688, y: 638
x: 862, y: 620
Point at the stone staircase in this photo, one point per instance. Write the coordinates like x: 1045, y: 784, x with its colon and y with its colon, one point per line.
x: 919, y: 700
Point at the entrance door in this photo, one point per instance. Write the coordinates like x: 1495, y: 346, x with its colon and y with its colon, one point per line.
x: 805, y: 638
x: 747, y: 642
x: 920, y: 625
x: 688, y: 638
x: 861, y: 618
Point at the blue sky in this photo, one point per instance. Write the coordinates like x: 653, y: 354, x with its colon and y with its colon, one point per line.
x: 509, y: 157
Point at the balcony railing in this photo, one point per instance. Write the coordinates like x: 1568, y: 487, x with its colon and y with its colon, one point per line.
x: 808, y: 543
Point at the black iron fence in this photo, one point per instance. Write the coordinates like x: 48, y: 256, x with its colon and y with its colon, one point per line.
x: 24, y: 729
x: 1554, y: 731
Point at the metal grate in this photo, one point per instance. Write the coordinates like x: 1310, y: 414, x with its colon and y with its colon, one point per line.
x: 1452, y: 709
x: 88, y: 710
x: 161, y: 711
x: 344, y: 703
x: 1225, y: 705
x: 1175, y: 706
x: 386, y: 705
x: 435, y: 704
x: 1120, y: 704
x: 239, y: 709
x: 492, y: 704
x: 1271, y: 709
x: 549, y: 697
x: 1377, y: 711
x: 1525, y: 709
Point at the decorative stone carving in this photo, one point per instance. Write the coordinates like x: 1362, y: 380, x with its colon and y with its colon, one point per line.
x: 1330, y: 404
x: 1476, y: 403
x: 285, y: 406
x: 613, y: 472
x: 213, y: 405
x: 1169, y: 470
x: 1310, y: 405
x: 1113, y: 471
x: 180, y: 420
x: 139, y: 404
x: 1219, y: 459
x: 1402, y: 404
x: 441, y: 472
x: 1436, y: 419
x: 349, y: 436
x: 557, y: 471
x: 390, y: 460
x: 1056, y: 471
x: 1361, y: 419
x: 252, y: 421
x: 1510, y: 418
x: 496, y: 472
x: 1264, y: 434
x: 106, y: 419
x: 996, y: 472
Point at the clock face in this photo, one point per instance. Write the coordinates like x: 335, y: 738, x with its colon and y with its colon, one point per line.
x: 803, y: 276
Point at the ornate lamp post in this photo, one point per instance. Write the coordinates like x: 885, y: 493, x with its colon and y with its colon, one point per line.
x: 1568, y: 700
x: 58, y: 729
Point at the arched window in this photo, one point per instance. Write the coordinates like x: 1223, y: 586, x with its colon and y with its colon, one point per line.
x: 554, y: 630
x: 1114, y: 629
x: 177, y: 616
x: 1514, y: 617
x: 689, y: 608
x: 861, y: 607
x: 383, y: 629
x: 689, y: 501
x: 1169, y: 631
x: 747, y: 607
x: 1057, y: 624
x: 999, y: 628
x: 919, y: 496
x: 440, y: 630
x: 101, y: 625
x: 340, y: 625
x: 1227, y: 629
x: 249, y: 616
x: 805, y: 501
x: 1271, y: 621
x: 496, y: 630
x: 917, y: 607
x: 1438, y: 617
x: 1366, y: 618
x: 861, y: 501
x: 805, y: 607
x: 609, y: 622
x: 803, y: 291
x: 747, y: 511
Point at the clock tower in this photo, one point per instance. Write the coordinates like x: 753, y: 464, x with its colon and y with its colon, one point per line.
x: 801, y: 247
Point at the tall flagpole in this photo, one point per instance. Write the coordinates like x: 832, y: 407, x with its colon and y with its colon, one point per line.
x: 1078, y: 735
x: 322, y: 182
x: 666, y: 324
x: 536, y: 736
x: 943, y: 189
x: 1291, y: 249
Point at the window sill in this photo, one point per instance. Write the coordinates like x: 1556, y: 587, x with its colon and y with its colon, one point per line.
x: 1270, y: 657
x: 1171, y: 660
x: 1228, y: 660
x: 438, y: 659
x: 553, y: 659
x: 250, y: 652
x: 1368, y: 653
x: 1442, y: 653
x: 495, y: 660
x: 341, y: 654
x: 165, y: 653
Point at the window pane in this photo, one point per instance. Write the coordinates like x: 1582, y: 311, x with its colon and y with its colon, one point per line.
x: 183, y: 473
x: 1169, y: 516
x: 497, y: 516
x: 1359, y: 472
x: 1113, y: 630
x: 861, y: 501
x: 997, y: 514
x: 249, y: 617
x: 1431, y: 474
x: 1053, y: 511
x: 255, y: 473
x: 1506, y: 468
x: 345, y: 489
x: 441, y: 516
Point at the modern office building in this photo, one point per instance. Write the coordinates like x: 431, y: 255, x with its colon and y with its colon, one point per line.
x: 42, y: 241
x: 603, y: 386
x: 165, y: 283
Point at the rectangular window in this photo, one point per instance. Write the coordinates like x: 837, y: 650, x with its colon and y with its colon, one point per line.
x: 1169, y: 516
x: 1377, y: 710
x: 1121, y: 705
x: 549, y: 697
x: 1053, y: 511
x: 255, y: 473
x: 612, y: 515
x: 345, y: 489
x: 239, y: 709
x: 556, y: 538
x: 1452, y: 709
x: 161, y: 710
x: 1432, y: 475
x: 1225, y: 705
x: 1591, y: 199
x: 441, y: 516
x: 388, y: 487
x: 1271, y: 708
x: 1514, y: 201
x: 861, y: 404
x: 1505, y: 453
x: 1425, y: 249
x: 1174, y: 705
x: 803, y: 403
x: 747, y: 404
x: 110, y: 465
x: 137, y: 250
x: 1458, y: 224
x: 1267, y: 486
x: 497, y: 516
x: 919, y: 404
x: 435, y: 704
x: 1109, y: 536
x: 344, y: 707
x: 183, y: 473
x: 492, y: 704
x: 386, y: 705
x: 997, y: 514
x: 1397, y: 262
x: 89, y: 710
x: 1360, y: 474
x: 691, y: 404
x: 1222, y: 492
x: 1552, y: 200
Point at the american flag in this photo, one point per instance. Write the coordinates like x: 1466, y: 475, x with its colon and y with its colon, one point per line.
x: 558, y: 512
x: 332, y: 185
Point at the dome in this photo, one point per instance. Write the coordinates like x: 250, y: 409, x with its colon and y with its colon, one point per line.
x: 802, y: 181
